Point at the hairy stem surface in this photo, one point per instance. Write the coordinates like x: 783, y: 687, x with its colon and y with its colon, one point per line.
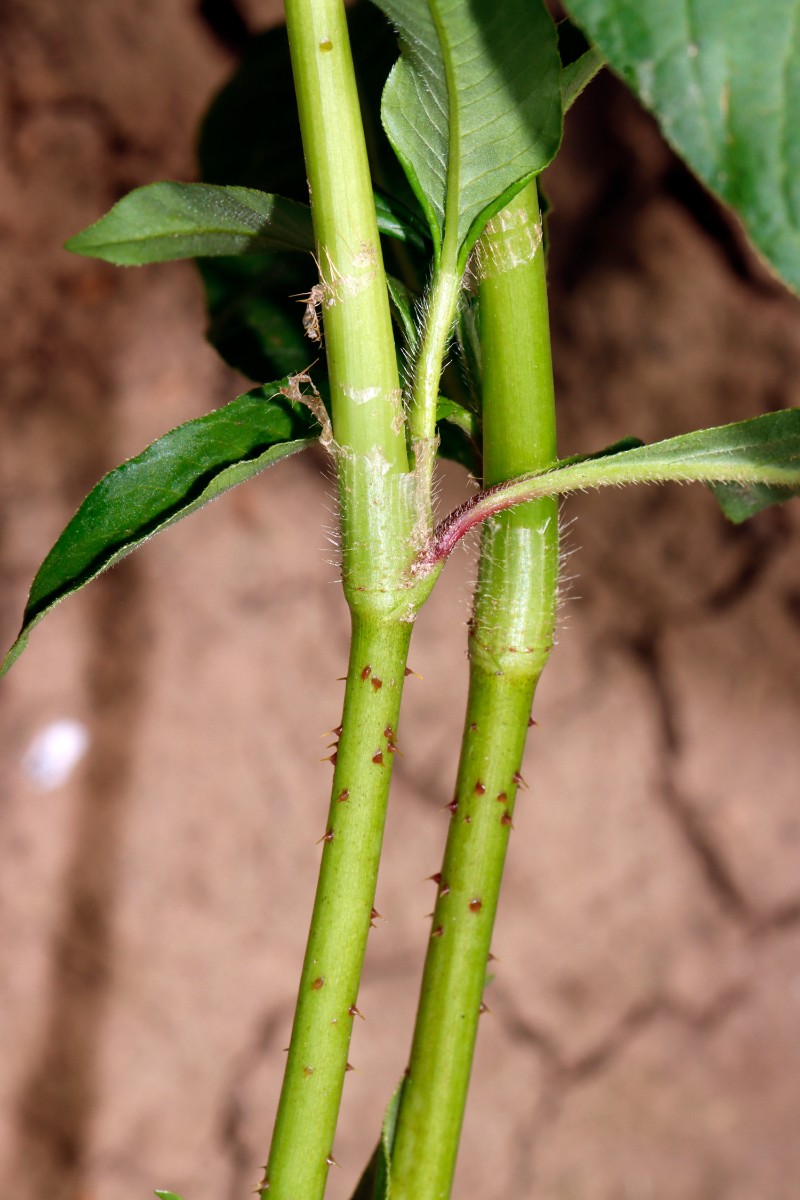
x: 510, y: 640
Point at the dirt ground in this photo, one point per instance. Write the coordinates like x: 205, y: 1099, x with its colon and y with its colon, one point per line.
x: 644, y: 1039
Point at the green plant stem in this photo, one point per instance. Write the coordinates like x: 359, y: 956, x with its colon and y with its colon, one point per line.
x: 378, y: 517
x: 510, y: 640
x: 365, y: 388
x: 306, y: 1122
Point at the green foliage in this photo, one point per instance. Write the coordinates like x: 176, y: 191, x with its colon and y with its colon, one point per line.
x: 723, y: 79
x: 166, y: 221
x: 580, y: 62
x: 166, y: 1195
x: 177, y: 474
x: 375, y: 1183
x: 764, y: 452
x: 472, y: 108
x: 162, y: 222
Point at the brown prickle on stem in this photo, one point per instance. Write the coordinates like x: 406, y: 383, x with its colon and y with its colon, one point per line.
x: 317, y: 983
x: 344, y: 795
x: 480, y: 788
x: 326, y: 837
x: 435, y: 878
x: 501, y: 797
x: 475, y: 904
x: 506, y: 820
x: 452, y: 806
x: 378, y: 758
x: 353, y: 1012
x: 518, y: 780
x: 366, y: 672
x: 331, y: 1161
x: 377, y: 684
x: 437, y: 932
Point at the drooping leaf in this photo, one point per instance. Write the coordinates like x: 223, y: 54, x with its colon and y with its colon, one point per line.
x: 580, y: 62
x: 375, y: 1183
x: 723, y: 80
x: 472, y: 108
x: 760, y: 457
x: 166, y: 221
x: 173, y: 477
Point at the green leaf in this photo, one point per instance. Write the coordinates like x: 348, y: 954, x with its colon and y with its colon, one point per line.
x: 723, y: 80
x: 761, y: 457
x: 740, y: 501
x: 375, y: 1183
x: 625, y: 443
x: 402, y: 303
x: 165, y: 221
x: 167, y: 1195
x: 256, y: 308
x: 472, y: 108
x: 173, y: 477
x: 253, y: 300
x: 459, y: 434
x: 757, y: 461
x: 580, y: 62
x: 397, y: 221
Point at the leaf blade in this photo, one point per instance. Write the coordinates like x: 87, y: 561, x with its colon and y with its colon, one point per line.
x: 375, y: 1183
x: 162, y: 222
x: 177, y: 474
x: 723, y: 80
x: 762, y: 454
x: 472, y: 108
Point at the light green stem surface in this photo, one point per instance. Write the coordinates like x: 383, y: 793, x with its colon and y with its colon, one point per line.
x: 510, y: 640
x: 378, y: 519
x: 365, y: 388
x: 304, y: 1131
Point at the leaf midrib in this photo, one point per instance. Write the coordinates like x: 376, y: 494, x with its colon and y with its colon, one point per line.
x: 453, y: 184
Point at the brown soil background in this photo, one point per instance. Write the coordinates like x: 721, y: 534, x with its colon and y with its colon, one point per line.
x: 644, y: 1042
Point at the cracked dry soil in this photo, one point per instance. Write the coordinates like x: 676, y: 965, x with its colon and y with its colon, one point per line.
x: 644, y: 1038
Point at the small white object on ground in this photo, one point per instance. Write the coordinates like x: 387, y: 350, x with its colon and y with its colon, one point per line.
x: 54, y: 752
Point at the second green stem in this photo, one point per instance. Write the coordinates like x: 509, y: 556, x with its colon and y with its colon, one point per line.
x: 510, y: 639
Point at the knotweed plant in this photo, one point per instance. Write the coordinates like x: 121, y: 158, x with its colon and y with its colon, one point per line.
x: 428, y: 317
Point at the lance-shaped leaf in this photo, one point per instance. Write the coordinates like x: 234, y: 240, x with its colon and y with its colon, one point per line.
x: 472, y: 109
x: 166, y: 1195
x: 165, y: 221
x: 173, y: 477
x: 759, y: 459
x: 723, y: 80
x: 162, y: 222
